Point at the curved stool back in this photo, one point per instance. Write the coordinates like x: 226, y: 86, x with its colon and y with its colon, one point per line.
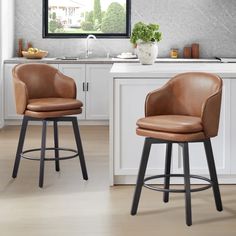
x: 185, y: 110
x: 43, y: 93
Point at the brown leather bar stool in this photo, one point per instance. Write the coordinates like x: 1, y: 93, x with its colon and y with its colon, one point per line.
x: 185, y: 110
x: 43, y: 93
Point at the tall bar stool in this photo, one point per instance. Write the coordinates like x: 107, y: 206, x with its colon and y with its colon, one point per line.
x: 185, y: 110
x: 43, y: 93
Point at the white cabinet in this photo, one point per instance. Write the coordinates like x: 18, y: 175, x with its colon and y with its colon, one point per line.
x: 129, y: 98
x: 232, y: 123
x: 77, y: 72
x: 129, y: 107
x: 92, y: 81
x: 97, y: 94
x: 9, y: 96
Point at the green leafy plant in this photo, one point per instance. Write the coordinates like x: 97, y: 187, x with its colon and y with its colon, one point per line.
x: 87, y: 26
x: 97, y: 11
x: 145, y: 33
x: 114, y: 19
x: 89, y: 16
x: 54, y: 25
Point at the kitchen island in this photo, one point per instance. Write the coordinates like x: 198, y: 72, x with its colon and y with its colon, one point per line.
x: 92, y: 76
x: 128, y: 89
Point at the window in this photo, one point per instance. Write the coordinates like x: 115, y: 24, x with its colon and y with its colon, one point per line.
x: 79, y: 18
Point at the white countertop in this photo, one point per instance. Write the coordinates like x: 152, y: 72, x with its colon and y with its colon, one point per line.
x: 135, y: 70
x: 48, y: 60
x: 103, y: 60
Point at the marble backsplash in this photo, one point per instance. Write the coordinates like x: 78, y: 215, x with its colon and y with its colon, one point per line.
x: 211, y: 23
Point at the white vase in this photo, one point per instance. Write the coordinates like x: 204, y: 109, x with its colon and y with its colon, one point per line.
x: 147, y: 52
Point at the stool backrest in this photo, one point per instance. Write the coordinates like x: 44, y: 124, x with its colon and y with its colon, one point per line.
x: 189, y: 92
x: 38, y: 80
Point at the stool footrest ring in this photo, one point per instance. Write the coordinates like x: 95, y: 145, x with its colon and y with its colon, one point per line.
x: 48, y: 149
x: 207, y: 186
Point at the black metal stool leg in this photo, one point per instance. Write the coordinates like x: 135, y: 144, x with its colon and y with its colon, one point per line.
x: 79, y: 147
x: 213, y: 175
x: 187, y: 185
x: 42, y: 156
x: 167, y: 171
x: 20, y: 146
x: 56, y: 145
x: 141, y: 174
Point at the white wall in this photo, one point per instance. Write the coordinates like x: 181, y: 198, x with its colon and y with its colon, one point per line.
x: 7, y: 21
x: 212, y: 23
x: 7, y: 27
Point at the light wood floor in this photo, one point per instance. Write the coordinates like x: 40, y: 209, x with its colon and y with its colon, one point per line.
x: 68, y: 206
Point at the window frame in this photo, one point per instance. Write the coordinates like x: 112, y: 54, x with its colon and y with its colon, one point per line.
x: 46, y: 34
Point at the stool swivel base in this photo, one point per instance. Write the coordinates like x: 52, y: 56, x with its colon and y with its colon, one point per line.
x: 79, y: 152
x: 142, y: 181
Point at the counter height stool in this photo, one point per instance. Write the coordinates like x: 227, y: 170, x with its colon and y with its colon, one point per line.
x: 185, y: 110
x: 42, y: 93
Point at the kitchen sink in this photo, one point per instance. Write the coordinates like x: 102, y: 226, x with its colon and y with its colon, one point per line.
x: 68, y: 58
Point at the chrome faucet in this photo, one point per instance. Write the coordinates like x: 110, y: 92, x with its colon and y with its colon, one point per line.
x: 88, y: 52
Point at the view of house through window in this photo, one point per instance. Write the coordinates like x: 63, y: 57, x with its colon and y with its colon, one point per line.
x: 87, y: 16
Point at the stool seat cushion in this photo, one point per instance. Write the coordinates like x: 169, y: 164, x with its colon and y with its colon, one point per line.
x: 171, y: 123
x: 52, y: 114
x: 172, y: 137
x: 53, y: 104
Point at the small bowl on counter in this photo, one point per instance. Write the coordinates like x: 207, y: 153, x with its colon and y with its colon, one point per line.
x: 35, y: 55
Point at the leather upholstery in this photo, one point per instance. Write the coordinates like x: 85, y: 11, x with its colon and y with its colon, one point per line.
x: 172, y: 123
x: 51, y: 114
x: 174, y: 137
x: 42, y: 91
x: 53, y: 104
x: 186, y: 108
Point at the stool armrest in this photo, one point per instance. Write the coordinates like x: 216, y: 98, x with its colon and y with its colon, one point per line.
x: 157, y: 102
x: 21, y: 96
x: 65, y: 86
x: 211, y: 114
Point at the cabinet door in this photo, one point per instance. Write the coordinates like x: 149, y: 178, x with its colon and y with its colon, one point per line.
x: 9, y: 101
x: 220, y: 144
x: 76, y: 72
x: 97, y: 96
x: 129, y: 102
x: 232, y: 126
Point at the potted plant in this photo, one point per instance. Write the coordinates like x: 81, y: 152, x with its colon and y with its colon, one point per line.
x: 146, y: 36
